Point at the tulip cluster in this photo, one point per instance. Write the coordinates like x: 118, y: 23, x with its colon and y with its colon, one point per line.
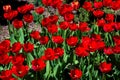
x: 64, y: 49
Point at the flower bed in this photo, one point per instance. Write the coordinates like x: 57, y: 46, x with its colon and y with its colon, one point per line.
x: 77, y: 40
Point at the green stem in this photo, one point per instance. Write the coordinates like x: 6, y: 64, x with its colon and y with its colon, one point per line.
x: 103, y: 77
x: 36, y: 76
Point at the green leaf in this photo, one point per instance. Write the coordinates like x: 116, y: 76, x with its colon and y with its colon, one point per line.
x: 83, y: 15
x: 1, y: 68
x: 35, y: 16
x: 29, y: 59
x: 16, y: 77
x: 48, y: 70
x: 21, y: 36
x: 12, y: 39
x: 56, y: 68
